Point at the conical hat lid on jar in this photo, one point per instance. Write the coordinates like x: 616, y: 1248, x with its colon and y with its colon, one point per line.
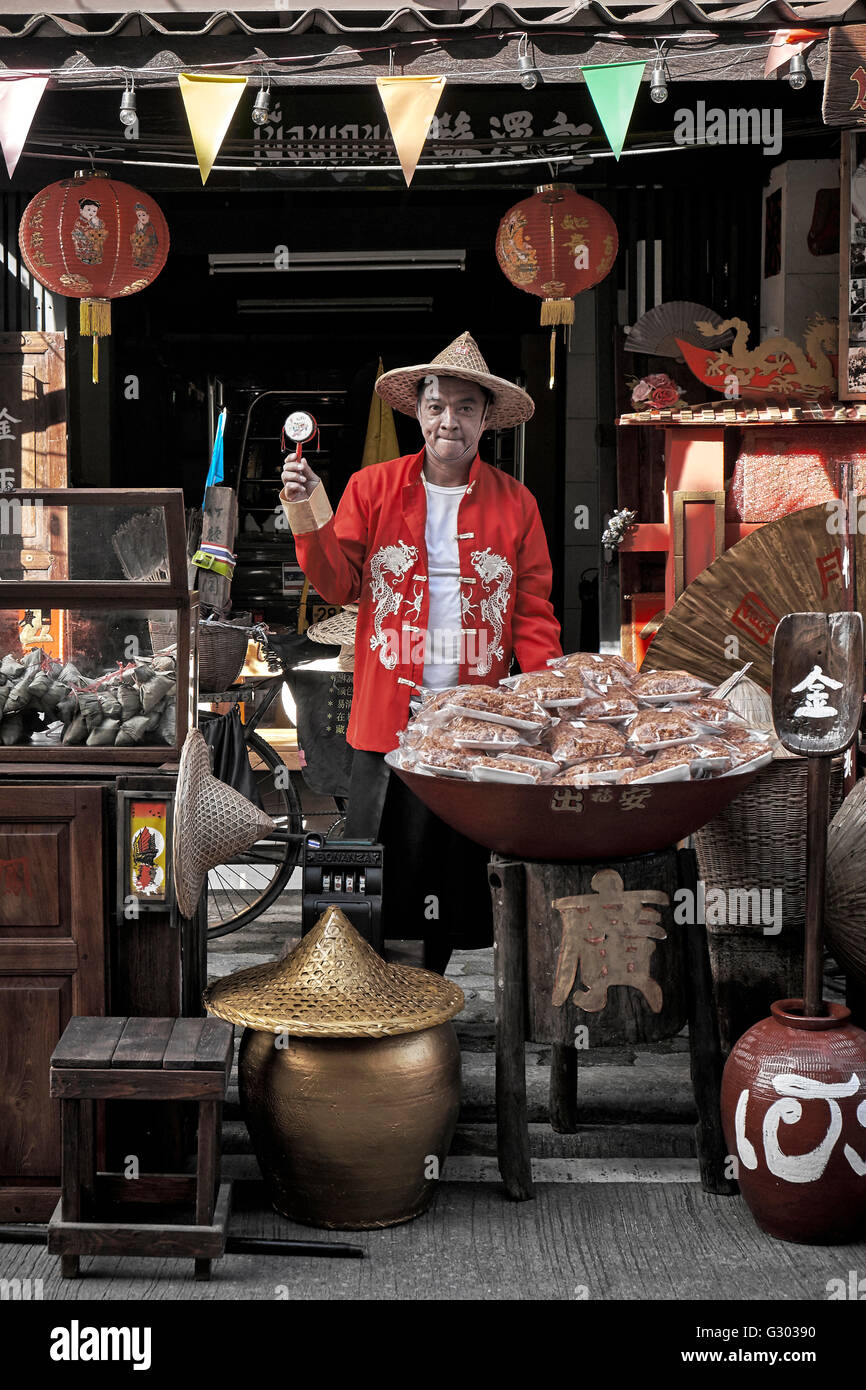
x: 334, y: 985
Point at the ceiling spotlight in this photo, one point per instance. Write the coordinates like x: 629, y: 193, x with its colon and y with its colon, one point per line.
x: 526, y: 69
x: 798, y: 73
x: 262, y: 106
x: 128, y: 113
x: 659, y: 82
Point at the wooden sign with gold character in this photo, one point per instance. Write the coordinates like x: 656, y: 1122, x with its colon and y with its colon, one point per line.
x: 608, y: 935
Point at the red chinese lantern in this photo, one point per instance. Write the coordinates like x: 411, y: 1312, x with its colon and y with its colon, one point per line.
x: 93, y: 239
x: 556, y: 244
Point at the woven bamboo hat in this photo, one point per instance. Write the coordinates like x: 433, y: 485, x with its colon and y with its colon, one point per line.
x: 334, y: 985
x: 510, y: 405
x: 338, y: 628
x: 211, y: 822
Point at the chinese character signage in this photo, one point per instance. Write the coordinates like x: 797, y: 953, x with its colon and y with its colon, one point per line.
x: 608, y: 938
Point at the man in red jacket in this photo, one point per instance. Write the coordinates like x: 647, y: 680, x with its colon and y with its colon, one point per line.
x: 447, y: 560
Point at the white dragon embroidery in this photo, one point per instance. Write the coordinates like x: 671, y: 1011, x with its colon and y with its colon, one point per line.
x: 492, y: 569
x: 389, y: 559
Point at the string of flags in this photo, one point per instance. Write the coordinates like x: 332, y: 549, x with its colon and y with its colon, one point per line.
x: 410, y: 103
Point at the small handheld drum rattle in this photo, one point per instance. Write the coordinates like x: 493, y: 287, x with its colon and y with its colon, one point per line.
x: 298, y: 427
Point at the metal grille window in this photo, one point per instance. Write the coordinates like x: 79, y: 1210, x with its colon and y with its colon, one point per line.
x: 24, y: 303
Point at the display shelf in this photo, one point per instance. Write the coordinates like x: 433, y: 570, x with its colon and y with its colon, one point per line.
x: 86, y: 637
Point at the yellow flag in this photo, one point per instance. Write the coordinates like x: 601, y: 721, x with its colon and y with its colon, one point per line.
x: 381, y: 442
x: 210, y: 104
x: 410, y: 104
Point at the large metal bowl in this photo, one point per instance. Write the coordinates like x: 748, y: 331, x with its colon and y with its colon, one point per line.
x: 565, y: 823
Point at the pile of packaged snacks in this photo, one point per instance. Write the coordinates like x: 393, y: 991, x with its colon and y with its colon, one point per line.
x: 587, y: 719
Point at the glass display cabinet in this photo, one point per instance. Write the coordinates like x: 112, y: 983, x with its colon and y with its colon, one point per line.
x: 98, y: 629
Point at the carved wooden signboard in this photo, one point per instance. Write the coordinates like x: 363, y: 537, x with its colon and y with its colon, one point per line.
x: 845, y: 78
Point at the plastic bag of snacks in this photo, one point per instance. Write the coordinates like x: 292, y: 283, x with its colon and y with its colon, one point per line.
x: 595, y: 666
x: 713, y: 712
x: 438, y: 756
x: 654, y: 729
x: 506, y: 769
x: 537, y: 754
x: 481, y: 734
x: 673, y: 771
x: 594, y: 771
x: 708, y: 755
x: 551, y: 688
x: 748, y: 748
x: 662, y: 687
x: 491, y: 703
x: 614, y: 704
x: 575, y: 743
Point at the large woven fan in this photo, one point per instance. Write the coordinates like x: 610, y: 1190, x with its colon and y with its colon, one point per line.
x: 657, y: 330
x: 845, y: 902
x: 728, y: 615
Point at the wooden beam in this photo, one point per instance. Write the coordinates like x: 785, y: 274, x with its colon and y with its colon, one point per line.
x: 475, y: 56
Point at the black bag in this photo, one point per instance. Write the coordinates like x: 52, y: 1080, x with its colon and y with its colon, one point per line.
x: 224, y: 736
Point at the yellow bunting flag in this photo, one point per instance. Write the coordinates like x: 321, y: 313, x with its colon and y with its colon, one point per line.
x: 410, y: 105
x: 210, y: 104
x: 381, y: 441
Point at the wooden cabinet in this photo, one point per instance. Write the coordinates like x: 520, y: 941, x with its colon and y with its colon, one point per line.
x: 52, y: 965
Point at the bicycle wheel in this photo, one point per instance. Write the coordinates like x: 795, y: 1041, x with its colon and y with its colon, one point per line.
x: 242, y: 889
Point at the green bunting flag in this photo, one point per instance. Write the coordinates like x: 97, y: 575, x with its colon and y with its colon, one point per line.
x: 613, y: 88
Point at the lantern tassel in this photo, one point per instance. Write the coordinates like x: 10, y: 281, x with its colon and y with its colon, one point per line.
x: 555, y: 311
x: 552, y: 381
x: 94, y: 320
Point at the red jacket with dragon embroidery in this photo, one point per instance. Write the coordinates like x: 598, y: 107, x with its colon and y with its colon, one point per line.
x: 372, y: 552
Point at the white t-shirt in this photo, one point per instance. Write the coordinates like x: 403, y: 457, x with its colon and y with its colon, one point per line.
x: 444, y: 622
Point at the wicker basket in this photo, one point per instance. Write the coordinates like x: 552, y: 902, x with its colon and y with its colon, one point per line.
x: 759, y: 841
x: 222, y: 651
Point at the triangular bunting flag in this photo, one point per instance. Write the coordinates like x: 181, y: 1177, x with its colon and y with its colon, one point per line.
x: 210, y: 104
x: 381, y: 441
x: 19, y: 98
x: 785, y: 44
x: 613, y: 88
x: 410, y: 105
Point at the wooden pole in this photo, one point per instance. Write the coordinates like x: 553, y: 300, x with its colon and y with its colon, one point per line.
x: 817, y: 813
x: 508, y: 885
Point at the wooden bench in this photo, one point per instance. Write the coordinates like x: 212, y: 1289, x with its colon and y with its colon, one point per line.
x: 177, y: 1059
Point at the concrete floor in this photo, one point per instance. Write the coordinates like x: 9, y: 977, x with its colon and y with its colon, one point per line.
x: 618, y: 1211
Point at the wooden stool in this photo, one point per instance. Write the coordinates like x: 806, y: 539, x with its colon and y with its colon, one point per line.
x: 177, y: 1059
x: 547, y: 956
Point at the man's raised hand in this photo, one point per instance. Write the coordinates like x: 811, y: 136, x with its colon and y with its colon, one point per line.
x: 298, y: 478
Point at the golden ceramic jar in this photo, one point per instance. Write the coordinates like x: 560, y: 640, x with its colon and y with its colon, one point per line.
x: 351, y: 1133
x: 349, y: 1077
